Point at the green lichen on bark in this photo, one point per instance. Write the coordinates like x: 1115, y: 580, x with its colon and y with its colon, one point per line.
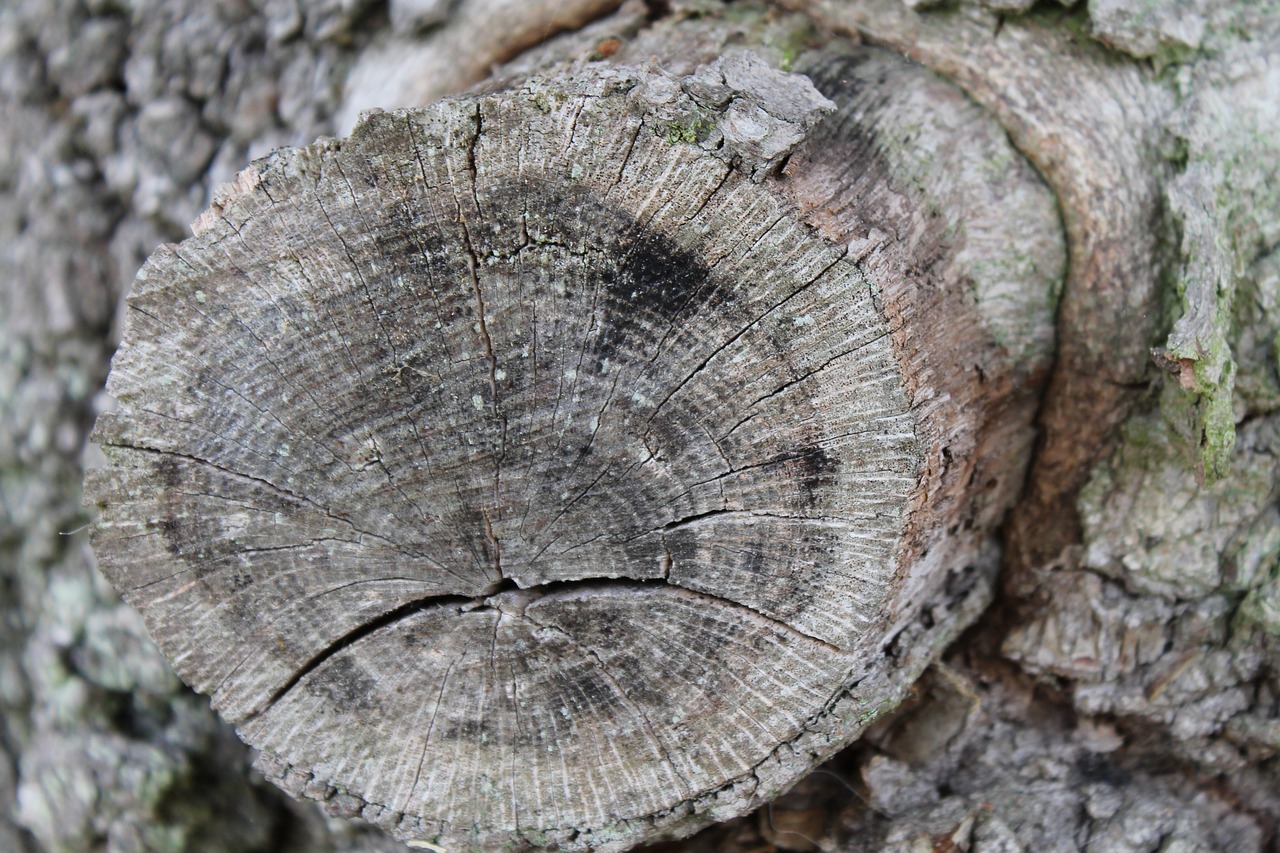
x: 1226, y: 207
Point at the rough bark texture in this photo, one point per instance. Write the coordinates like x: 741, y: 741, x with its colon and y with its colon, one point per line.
x: 1119, y: 695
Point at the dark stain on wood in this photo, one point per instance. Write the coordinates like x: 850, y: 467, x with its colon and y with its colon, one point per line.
x: 647, y: 281
x: 183, y: 537
x: 472, y: 730
x: 814, y: 469
x: 344, y: 685
x: 658, y: 280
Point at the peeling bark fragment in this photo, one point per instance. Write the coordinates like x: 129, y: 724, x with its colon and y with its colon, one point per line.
x: 1227, y: 218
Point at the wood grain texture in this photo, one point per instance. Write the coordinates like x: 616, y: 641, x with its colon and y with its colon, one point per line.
x: 529, y: 471
x: 963, y: 243
x: 1091, y: 125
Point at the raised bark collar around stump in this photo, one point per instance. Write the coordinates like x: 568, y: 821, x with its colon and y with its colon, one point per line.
x: 544, y: 468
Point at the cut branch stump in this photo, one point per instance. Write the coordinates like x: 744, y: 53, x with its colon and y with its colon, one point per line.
x: 581, y: 463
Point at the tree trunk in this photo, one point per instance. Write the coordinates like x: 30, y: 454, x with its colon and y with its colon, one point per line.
x: 694, y: 363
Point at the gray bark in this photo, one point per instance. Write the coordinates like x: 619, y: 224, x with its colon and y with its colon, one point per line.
x: 1117, y: 695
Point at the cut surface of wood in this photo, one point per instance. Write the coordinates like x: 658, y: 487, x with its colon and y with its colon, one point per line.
x: 528, y: 471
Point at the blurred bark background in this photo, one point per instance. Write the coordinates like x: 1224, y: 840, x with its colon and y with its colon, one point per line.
x: 1120, y: 694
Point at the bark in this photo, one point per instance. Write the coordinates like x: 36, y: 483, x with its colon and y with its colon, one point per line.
x: 1117, y: 695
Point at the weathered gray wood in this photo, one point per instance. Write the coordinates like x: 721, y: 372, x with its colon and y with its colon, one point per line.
x: 544, y: 468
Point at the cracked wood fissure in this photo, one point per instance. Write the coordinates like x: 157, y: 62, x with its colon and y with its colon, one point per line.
x: 541, y: 477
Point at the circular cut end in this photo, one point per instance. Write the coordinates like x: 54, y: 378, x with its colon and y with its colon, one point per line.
x: 515, y: 467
